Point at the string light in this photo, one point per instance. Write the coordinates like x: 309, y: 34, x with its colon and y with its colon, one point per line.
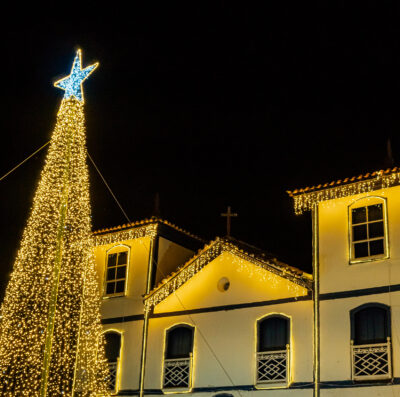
x: 304, y: 201
x: 270, y: 269
x: 72, y: 84
x: 50, y: 328
x: 124, y: 235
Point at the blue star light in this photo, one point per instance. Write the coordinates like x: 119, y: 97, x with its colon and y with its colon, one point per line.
x: 72, y: 84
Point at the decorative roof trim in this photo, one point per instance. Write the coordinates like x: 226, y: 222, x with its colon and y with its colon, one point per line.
x: 211, y: 251
x: 305, y: 199
x: 143, y: 228
x: 127, y: 234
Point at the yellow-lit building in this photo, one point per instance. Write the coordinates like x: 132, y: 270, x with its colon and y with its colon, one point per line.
x: 225, y: 318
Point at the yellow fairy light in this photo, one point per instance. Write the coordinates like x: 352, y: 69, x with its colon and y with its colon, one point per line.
x: 125, y: 235
x: 305, y: 199
x: 271, y: 270
x: 50, y: 333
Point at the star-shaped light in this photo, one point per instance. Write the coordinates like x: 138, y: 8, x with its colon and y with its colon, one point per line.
x: 72, y: 84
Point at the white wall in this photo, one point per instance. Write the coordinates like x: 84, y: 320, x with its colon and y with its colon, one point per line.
x: 336, y: 274
x: 232, y: 337
x: 335, y: 333
x: 230, y: 333
x: 169, y: 255
x: 132, y: 302
x: 131, y: 350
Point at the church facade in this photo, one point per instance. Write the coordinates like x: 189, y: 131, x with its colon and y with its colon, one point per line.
x: 182, y: 316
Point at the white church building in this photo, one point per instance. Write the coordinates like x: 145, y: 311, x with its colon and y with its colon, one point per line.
x: 224, y: 318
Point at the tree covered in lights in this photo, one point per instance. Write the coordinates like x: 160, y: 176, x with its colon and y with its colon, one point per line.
x: 50, y: 330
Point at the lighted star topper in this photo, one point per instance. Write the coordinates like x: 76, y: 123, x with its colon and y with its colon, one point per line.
x: 72, y: 84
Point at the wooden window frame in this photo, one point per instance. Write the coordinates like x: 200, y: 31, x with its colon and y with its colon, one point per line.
x: 117, y: 249
x: 365, y: 202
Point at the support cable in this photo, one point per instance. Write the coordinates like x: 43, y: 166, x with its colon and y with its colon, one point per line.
x: 91, y: 159
x: 24, y: 161
x: 126, y: 216
x: 108, y: 187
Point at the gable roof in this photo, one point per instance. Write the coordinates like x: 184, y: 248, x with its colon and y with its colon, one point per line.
x: 143, y: 228
x: 305, y: 198
x: 211, y: 251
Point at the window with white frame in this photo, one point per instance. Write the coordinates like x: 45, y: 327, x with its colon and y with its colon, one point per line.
x: 273, y: 348
x: 113, y: 353
x: 368, y: 232
x: 116, y: 272
x: 178, y: 357
x: 370, y: 342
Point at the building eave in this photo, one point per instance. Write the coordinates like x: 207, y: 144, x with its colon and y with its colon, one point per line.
x: 305, y: 198
x: 142, y: 228
x: 211, y: 251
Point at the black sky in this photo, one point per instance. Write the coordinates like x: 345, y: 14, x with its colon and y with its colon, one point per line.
x: 208, y: 104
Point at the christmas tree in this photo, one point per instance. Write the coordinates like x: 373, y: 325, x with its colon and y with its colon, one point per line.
x: 50, y: 330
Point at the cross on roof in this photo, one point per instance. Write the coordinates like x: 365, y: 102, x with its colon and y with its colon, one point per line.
x: 229, y: 214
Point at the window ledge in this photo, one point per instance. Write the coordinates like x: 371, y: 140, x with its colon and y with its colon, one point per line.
x: 272, y: 385
x: 375, y: 380
x: 369, y: 259
x: 176, y: 390
x: 113, y: 296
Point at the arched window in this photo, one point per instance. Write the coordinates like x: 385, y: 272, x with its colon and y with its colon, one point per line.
x: 370, y: 339
x: 273, y: 336
x: 179, y: 342
x: 178, y: 357
x: 116, y: 270
x: 273, y: 333
x: 113, y: 353
x: 371, y: 325
x: 368, y: 229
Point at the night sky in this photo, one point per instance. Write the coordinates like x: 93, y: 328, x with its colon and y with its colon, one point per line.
x: 209, y: 106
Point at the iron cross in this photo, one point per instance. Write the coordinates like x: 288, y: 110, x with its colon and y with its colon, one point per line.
x: 229, y: 214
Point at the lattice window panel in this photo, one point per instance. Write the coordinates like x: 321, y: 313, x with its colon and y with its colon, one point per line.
x: 112, y: 377
x: 272, y: 366
x: 177, y: 373
x: 372, y: 361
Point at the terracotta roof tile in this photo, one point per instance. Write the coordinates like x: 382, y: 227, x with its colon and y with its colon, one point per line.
x: 344, y: 181
x: 145, y: 222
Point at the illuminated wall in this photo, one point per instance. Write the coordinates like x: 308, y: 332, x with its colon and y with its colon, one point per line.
x: 231, y: 333
x: 124, y: 306
x: 350, y: 285
x: 335, y: 269
x: 124, y: 314
x: 132, y: 302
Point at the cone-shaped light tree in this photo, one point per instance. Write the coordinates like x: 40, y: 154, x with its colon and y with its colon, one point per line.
x: 50, y: 330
